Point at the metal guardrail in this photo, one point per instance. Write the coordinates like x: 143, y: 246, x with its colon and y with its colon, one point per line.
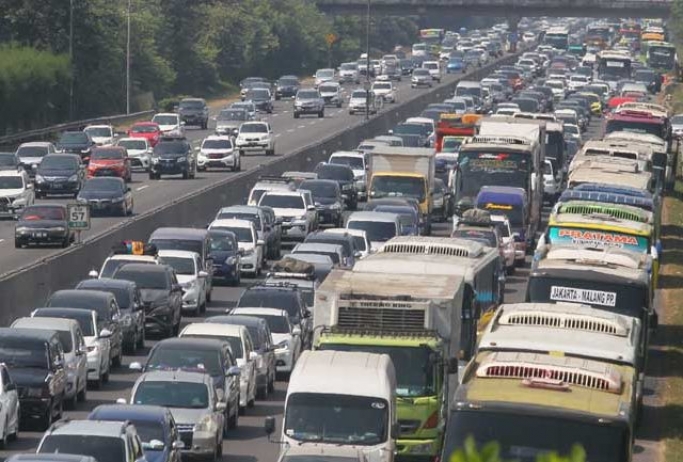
x: 41, y: 133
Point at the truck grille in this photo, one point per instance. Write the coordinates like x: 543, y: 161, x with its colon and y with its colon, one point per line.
x: 380, y: 318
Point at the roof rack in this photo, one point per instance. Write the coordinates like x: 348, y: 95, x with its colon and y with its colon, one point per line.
x: 610, y: 324
x: 433, y: 246
x: 284, y: 274
x: 575, y: 371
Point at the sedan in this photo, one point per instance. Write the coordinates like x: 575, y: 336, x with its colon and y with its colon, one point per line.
x: 59, y: 174
x: 43, y: 224
x: 107, y: 195
x: 147, y: 130
x: 139, y: 152
x: 110, y: 161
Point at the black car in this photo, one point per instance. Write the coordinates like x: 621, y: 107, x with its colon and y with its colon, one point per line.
x: 309, y: 101
x: 173, y: 156
x: 226, y: 256
x: 9, y: 161
x: 128, y: 297
x: 102, y: 303
x: 160, y: 292
x: 407, y: 66
x: 343, y: 175
x: 286, y: 86
x: 76, y: 142
x: 43, y: 224
x: 328, y: 201
x: 286, y: 298
x: 194, y: 111
x: 36, y: 362
x: 650, y: 78
x: 59, y: 174
x: 261, y: 98
x: 107, y: 195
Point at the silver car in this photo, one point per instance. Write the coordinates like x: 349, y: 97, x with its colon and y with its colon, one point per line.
x: 193, y: 401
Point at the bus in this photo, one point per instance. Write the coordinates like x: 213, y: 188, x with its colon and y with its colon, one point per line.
x: 599, y: 35
x: 557, y: 37
x: 433, y: 39
x: 613, y: 66
x: 661, y: 56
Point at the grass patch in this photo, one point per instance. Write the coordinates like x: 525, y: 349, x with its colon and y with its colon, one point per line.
x: 667, y: 356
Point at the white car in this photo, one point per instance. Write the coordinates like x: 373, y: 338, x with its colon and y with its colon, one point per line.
x: 139, y: 152
x: 551, y: 190
x: 255, y: 137
x: 434, y: 68
x: 558, y: 87
x: 9, y: 407
x: 248, y: 106
x: 242, y: 349
x: 360, y: 240
x: 386, y: 90
x: 286, y: 337
x: 348, y: 72
x: 578, y: 81
x: 97, y: 343
x: 191, y: 277
x: 250, y: 246
x: 218, y: 151
x: 298, y: 217
x: 379, y: 226
x: 31, y: 154
x: 324, y: 75
x: 573, y: 132
x: 102, y: 135
x: 331, y: 93
x: 358, y: 102
x: 426, y: 122
x: 113, y: 262
x: 170, y: 123
x: 16, y: 192
x: 73, y: 344
x: 507, y: 241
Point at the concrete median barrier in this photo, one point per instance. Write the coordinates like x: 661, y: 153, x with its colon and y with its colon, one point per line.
x: 28, y: 287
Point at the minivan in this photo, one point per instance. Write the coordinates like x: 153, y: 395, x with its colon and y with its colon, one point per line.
x: 189, y: 239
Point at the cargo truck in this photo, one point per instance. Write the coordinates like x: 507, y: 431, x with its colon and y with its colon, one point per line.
x: 403, y: 172
x: 416, y: 320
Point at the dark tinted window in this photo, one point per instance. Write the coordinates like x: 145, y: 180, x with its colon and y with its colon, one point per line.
x: 144, y: 279
x: 59, y: 162
x: 280, y: 299
x: 102, y: 448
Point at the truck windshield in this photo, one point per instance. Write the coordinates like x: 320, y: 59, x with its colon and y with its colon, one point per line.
x: 387, y: 186
x: 411, y: 381
x: 341, y: 419
x: 627, y: 299
x: 636, y: 126
x: 479, y: 169
x: 523, y: 437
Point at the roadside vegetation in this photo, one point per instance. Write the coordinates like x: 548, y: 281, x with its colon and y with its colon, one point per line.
x: 491, y: 453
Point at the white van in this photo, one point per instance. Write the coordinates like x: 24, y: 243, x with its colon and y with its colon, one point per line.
x: 378, y: 226
x: 325, y: 407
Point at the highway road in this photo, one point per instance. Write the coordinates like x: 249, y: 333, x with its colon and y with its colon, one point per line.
x: 291, y: 134
x: 248, y: 442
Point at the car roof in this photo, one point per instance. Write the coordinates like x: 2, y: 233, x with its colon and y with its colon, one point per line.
x: 178, y: 254
x: 218, y: 137
x: 65, y: 311
x: 231, y: 223
x: 11, y: 173
x: 123, y: 412
x: 51, y: 457
x: 383, y: 217
x: 212, y: 328
x: 44, y: 322
x: 254, y: 209
x: 143, y: 267
x: 91, y: 294
x: 177, y: 343
x: 105, y: 283
x: 256, y: 311
x: 88, y: 427
x: 316, y: 246
x: 27, y: 333
x: 178, y: 233
x: 176, y: 376
x: 242, y: 320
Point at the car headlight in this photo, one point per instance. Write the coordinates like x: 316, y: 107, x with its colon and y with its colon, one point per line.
x: 188, y: 285
x: 231, y: 260
x: 347, y: 187
x: 40, y: 179
x: 73, y: 178
x: 71, y: 366
x: 155, y: 160
x: 283, y: 345
x: 116, y: 200
x: 127, y: 320
x: 181, y: 160
x: 207, y: 424
x: 335, y: 206
x: 19, y: 201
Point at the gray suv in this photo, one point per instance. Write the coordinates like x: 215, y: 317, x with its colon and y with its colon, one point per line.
x: 309, y: 101
x: 194, y: 111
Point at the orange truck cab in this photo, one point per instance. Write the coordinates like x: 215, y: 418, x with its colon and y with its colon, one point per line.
x: 455, y: 125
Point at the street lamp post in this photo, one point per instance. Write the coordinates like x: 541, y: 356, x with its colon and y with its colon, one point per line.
x: 71, y: 59
x: 367, y: 63
x: 127, y: 60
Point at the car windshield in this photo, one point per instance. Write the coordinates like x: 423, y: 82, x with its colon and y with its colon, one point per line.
x: 173, y: 394
x: 276, y: 324
x: 376, y: 231
x: 356, y: 163
x: 189, y: 245
x: 288, y: 82
x: 181, y: 265
x: 196, y: 104
x: 328, y: 88
x: 334, y: 172
x: 573, y: 129
x: 84, y: 319
x: 11, y: 182
x: 349, y: 67
x: 254, y: 128
x: 486, y: 237
x: 144, y: 129
x: 242, y: 234
x: 336, y: 419
x: 221, y: 243
x: 277, y: 201
x: 102, y: 448
x: 133, y: 144
x: 57, y: 162
x: 72, y: 138
x: 358, y: 94
x: 31, y: 151
x: 280, y: 299
x: 232, y: 115
x: 107, y: 154
x: 235, y: 342
x: 187, y: 359
x: 171, y: 148
x: 149, y: 430
x: 165, y: 120
x: 258, y: 93
x: 321, y: 188
x: 381, y: 86
x: 66, y: 340
x: 144, y: 279
x: 121, y: 294
x: 20, y: 353
x: 388, y: 186
x: 217, y: 144
x: 43, y: 213
x: 312, y: 94
x: 324, y: 74
x: 99, y: 131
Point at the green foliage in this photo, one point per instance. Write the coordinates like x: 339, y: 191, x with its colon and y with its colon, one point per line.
x: 491, y: 453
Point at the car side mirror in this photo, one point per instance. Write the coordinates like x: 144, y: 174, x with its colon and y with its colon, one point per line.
x: 105, y: 333
x: 121, y: 401
x: 296, y: 330
x: 253, y: 356
x: 93, y: 274
x: 240, y: 252
x: 234, y: 371
x: 135, y: 366
x: 310, y: 208
x: 260, y: 242
x: 221, y: 406
x: 156, y: 445
x: 269, y: 425
x: 178, y: 444
x: 203, y: 274
x: 128, y: 189
x: 176, y: 288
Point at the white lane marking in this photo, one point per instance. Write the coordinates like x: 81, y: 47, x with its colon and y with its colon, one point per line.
x: 290, y: 130
x: 278, y: 135
x: 285, y: 112
x: 2, y: 240
x: 313, y: 123
x: 144, y: 186
x: 301, y: 126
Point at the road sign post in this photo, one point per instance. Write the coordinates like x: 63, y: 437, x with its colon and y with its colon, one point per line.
x: 78, y: 218
x: 330, y: 39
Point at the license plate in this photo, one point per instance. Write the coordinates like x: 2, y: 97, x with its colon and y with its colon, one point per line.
x: 57, y: 185
x: 39, y: 235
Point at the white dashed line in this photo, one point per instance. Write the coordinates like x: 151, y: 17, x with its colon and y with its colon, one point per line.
x: 278, y: 135
x: 2, y: 240
x: 301, y: 126
x: 145, y: 186
x: 290, y: 130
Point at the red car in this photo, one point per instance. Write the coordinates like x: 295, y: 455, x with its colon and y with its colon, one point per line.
x: 148, y: 130
x: 110, y: 161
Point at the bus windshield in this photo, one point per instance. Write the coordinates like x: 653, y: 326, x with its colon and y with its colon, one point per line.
x: 481, y: 168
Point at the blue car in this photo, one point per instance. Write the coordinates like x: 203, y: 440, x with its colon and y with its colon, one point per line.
x: 456, y: 65
x: 226, y: 256
x: 410, y: 220
x: 154, y: 424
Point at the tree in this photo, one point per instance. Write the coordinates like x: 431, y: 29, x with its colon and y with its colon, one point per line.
x: 490, y: 452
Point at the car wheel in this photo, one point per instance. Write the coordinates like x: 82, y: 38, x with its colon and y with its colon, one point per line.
x: 17, y: 244
x: 117, y: 360
x: 66, y: 242
x: 262, y: 392
x: 141, y: 340
x: 71, y: 403
x: 176, y: 328
x: 4, y: 441
x: 321, y: 114
x: 186, y: 175
x: 46, y: 421
x: 351, y: 112
x: 233, y: 420
x: 82, y: 395
x: 296, y: 115
x: 271, y: 383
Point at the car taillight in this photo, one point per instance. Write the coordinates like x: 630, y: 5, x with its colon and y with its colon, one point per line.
x: 432, y: 421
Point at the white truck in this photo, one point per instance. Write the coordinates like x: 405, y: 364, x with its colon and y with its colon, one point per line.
x: 345, y: 399
x: 403, y: 172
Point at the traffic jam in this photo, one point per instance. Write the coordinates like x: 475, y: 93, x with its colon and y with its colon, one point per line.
x: 373, y: 288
